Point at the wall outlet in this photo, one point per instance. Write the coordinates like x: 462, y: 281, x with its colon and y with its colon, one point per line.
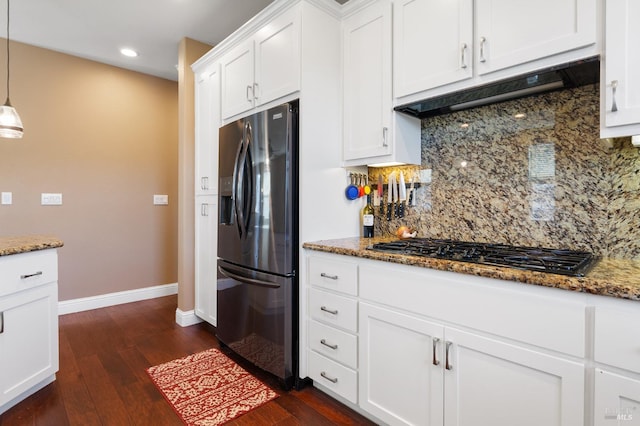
x: 7, y: 198
x: 160, y: 200
x: 48, y: 199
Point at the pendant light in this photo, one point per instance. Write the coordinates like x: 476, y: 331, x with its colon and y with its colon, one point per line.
x: 10, y: 123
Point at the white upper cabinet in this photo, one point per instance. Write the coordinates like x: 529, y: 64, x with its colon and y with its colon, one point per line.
x: 620, y: 85
x: 441, y: 42
x: 512, y: 32
x: 264, y: 67
x: 367, y: 81
x: 372, y: 131
x: 433, y: 43
x: 207, y: 121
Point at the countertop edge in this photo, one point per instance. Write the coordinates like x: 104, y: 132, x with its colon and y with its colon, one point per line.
x: 25, y: 244
x: 600, y: 281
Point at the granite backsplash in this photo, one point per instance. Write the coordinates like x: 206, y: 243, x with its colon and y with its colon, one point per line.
x: 527, y: 172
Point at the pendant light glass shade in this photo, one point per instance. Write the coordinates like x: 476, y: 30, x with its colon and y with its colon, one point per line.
x: 10, y: 123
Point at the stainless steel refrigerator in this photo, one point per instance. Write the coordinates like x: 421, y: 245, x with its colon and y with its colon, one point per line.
x: 257, y: 284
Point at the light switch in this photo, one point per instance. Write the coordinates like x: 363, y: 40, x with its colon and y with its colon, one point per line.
x: 49, y: 199
x: 7, y: 198
x: 160, y: 200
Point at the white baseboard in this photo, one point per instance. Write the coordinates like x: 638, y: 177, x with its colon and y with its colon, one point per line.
x: 118, y: 298
x: 187, y: 318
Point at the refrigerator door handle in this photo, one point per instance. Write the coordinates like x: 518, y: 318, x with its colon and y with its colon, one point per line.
x: 246, y: 280
x: 248, y: 164
x: 234, y: 185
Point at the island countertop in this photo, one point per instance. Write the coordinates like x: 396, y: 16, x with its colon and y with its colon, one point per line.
x: 609, y: 277
x: 27, y: 243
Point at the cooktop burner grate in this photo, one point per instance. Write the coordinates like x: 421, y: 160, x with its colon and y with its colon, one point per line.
x: 564, y: 262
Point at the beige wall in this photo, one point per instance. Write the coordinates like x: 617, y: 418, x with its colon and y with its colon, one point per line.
x: 107, y: 139
x: 189, y: 52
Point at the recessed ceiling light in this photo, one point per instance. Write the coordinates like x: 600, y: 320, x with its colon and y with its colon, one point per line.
x: 129, y: 52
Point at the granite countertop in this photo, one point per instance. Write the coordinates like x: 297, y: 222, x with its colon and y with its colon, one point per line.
x: 23, y: 244
x: 609, y: 277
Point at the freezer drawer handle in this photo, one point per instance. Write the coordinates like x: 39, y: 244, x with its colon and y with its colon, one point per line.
x: 324, y: 342
x: 331, y: 277
x: 24, y: 277
x: 332, y: 380
x: 324, y: 308
x: 251, y: 281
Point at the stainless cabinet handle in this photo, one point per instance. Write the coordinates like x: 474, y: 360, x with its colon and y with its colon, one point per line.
x: 24, y: 277
x: 385, y: 133
x: 255, y: 90
x: 1, y: 322
x: 447, y: 364
x: 463, y: 56
x: 483, y: 41
x: 332, y: 380
x: 324, y: 342
x: 325, y: 309
x: 249, y: 99
x: 204, y: 183
x: 435, y: 342
x: 204, y: 209
x: 614, y: 87
x: 331, y: 277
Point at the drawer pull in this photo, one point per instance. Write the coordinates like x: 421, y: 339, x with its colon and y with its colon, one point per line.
x: 324, y: 342
x: 435, y: 347
x: 24, y: 277
x: 324, y: 308
x: 331, y: 277
x: 332, y: 380
x: 447, y: 364
x: 614, y: 87
x: 1, y: 322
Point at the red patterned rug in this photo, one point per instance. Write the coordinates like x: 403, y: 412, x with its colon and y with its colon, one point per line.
x: 208, y: 388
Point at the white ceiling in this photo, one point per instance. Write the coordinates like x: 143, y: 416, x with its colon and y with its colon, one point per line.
x: 97, y: 29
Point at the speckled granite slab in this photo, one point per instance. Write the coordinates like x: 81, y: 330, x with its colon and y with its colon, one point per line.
x: 23, y: 244
x: 609, y: 277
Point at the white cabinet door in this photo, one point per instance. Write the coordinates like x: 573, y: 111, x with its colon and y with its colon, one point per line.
x: 237, y: 81
x: 207, y: 121
x: 277, y: 57
x: 617, y: 400
x: 432, y: 44
x: 367, y: 82
x: 512, y: 32
x: 401, y: 374
x: 494, y: 383
x: 206, y: 236
x: 28, y: 339
x: 621, y: 83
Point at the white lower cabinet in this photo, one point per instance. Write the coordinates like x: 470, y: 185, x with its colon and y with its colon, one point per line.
x: 418, y: 372
x: 617, y: 399
x: 206, y: 249
x: 28, y: 324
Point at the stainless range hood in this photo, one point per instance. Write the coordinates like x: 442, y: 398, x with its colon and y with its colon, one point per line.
x: 574, y: 74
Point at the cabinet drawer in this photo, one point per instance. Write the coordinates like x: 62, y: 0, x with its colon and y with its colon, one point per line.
x: 27, y: 270
x: 334, y: 344
x: 335, y: 310
x: 330, y: 374
x: 334, y: 274
x: 617, y: 337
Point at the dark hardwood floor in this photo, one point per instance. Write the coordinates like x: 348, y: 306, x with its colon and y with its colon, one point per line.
x: 102, y: 378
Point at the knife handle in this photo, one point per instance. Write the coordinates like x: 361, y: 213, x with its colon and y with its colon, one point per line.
x: 401, y: 209
x: 396, y: 212
x: 410, y: 203
x: 389, y: 208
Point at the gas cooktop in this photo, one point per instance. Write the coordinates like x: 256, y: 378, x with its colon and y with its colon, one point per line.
x: 555, y: 261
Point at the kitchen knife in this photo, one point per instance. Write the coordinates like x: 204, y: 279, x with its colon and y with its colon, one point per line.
x: 377, y: 198
x: 396, y: 204
x: 402, y: 196
x: 390, y: 196
x: 412, y: 189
